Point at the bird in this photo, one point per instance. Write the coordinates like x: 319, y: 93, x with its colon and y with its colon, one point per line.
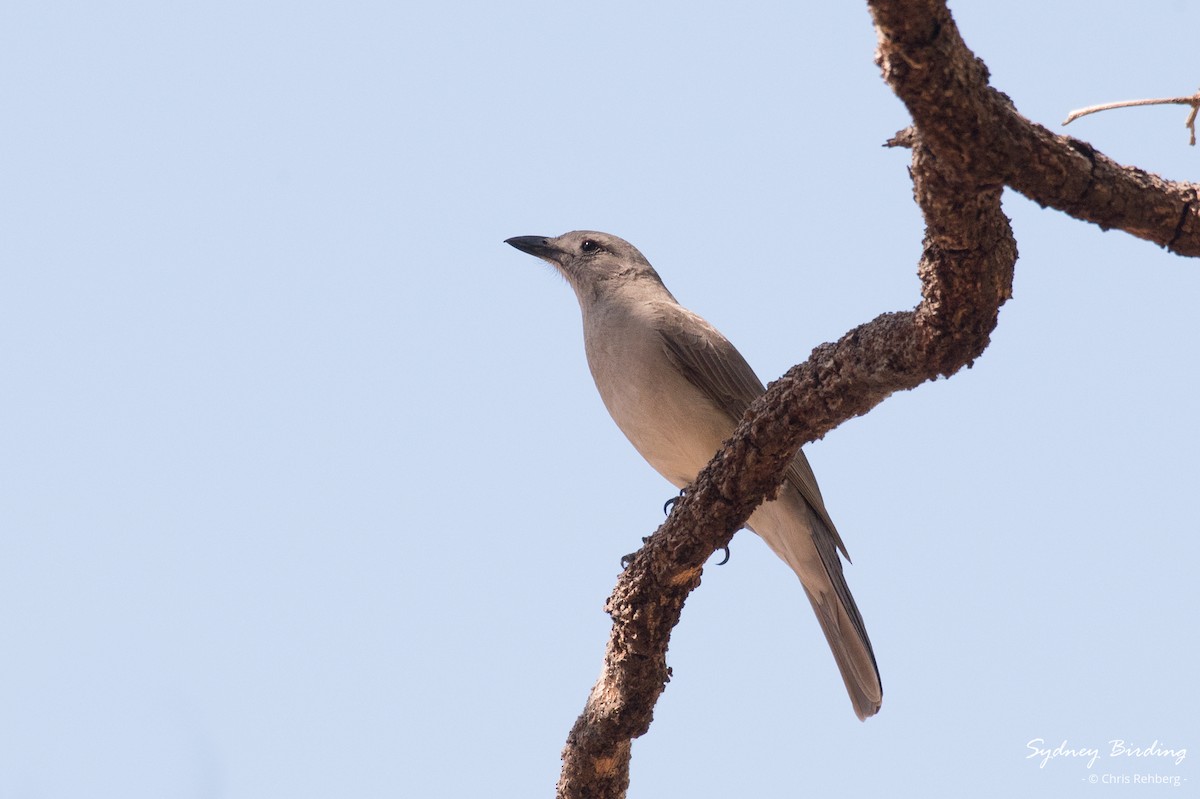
x: 677, y: 389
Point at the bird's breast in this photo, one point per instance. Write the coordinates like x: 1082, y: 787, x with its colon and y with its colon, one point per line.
x: 674, y: 426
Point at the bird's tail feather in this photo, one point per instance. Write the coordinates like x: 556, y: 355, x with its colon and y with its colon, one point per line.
x: 851, y: 649
x: 798, y: 535
x: 843, y: 625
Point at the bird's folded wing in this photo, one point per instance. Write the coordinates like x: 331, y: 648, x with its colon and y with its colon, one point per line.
x: 714, y: 366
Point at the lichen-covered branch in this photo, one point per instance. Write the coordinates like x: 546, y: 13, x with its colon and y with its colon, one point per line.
x: 974, y: 126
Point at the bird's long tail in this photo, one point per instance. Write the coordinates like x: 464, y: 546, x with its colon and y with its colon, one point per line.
x: 797, y: 534
x: 843, y: 628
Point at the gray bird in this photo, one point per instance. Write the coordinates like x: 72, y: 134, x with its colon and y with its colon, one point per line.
x: 677, y: 389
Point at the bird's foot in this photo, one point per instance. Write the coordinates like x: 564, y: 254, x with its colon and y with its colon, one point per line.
x: 670, y: 503
x: 627, y: 559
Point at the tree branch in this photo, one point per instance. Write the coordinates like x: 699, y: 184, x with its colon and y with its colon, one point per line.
x: 968, y: 144
x: 971, y: 124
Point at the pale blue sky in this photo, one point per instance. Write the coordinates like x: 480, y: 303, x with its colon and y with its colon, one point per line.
x: 305, y: 490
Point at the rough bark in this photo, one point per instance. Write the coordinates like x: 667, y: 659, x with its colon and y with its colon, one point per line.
x: 968, y: 144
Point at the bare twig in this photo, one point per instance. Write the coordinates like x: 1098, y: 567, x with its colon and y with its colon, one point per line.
x: 1192, y: 100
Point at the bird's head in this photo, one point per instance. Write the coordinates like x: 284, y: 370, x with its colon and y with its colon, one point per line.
x: 589, y: 260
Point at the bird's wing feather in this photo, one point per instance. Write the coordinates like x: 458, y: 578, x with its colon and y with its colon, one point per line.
x: 713, y: 365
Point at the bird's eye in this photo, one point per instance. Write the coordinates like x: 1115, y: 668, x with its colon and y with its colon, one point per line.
x: 589, y: 246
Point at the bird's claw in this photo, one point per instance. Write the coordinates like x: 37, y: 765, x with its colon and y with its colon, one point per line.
x: 627, y: 559
x: 670, y: 503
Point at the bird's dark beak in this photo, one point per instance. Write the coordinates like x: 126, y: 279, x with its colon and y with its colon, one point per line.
x: 535, y: 245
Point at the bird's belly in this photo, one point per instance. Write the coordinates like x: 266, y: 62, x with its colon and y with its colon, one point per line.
x: 669, y: 423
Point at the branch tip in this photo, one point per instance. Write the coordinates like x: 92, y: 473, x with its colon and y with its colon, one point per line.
x: 1192, y: 100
